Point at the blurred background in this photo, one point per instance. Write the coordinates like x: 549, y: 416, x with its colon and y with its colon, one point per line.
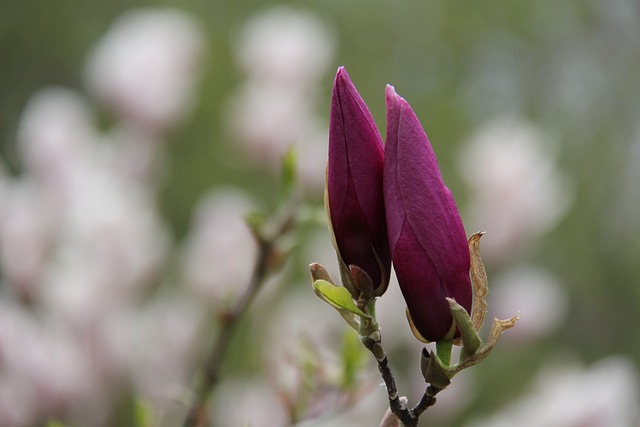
x: 135, y: 137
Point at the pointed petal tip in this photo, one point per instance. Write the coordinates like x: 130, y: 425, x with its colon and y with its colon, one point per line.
x: 342, y: 79
x: 390, y: 91
x: 392, y: 97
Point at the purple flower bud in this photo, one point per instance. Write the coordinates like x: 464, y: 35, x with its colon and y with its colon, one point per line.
x: 355, y: 200
x: 426, y: 236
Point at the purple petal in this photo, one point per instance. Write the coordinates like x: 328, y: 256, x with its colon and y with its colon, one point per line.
x: 416, y: 196
x: 354, y: 181
x: 421, y: 286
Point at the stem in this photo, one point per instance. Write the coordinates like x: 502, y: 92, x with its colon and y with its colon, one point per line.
x: 197, y: 414
x: 428, y: 399
x: 397, y: 404
x: 266, y: 239
x: 443, y: 350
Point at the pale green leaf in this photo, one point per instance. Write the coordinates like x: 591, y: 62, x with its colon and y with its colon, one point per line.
x: 337, y: 296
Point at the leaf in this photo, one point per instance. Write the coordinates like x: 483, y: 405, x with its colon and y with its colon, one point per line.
x: 338, y: 296
x: 470, y: 340
x: 289, y: 171
x: 352, y: 354
x: 433, y: 371
x: 141, y: 414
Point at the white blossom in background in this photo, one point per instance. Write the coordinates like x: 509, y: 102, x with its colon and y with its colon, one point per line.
x: 285, y: 53
x: 285, y: 47
x: 605, y: 394
x: 81, y: 240
x: 26, y: 232
x: 46, y: 371
x: 135, y: 155
x: 56, y: 137
x: 518, y: 191
x: 312, y: 156
x: 157, y: 343
x: 218, y: 231
x: 109, y: 240
x: 269, y: 120
x: 111, y: 245
x: 146, y: 66
x: 250, y: 403
x: 536, y: 294
x: 301, y: 353
x: 17, y: 395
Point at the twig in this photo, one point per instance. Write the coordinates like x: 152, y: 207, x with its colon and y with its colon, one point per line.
x: 398, y: 405
x: 266, y: 239
x: 428, y: 400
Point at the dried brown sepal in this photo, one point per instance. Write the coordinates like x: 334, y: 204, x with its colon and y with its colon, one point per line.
x: 318, y: 272
x: 363, y: 284
x: 498, y: 327
x: 479, y: 281
x: 384, y: 283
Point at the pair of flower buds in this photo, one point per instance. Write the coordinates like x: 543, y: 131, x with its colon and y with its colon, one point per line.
x: 389, y: 203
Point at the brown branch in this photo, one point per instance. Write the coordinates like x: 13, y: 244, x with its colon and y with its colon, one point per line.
x: 266, y: 238
x: 197, y: 415
x: 398, y: 405
x: 428, y: 399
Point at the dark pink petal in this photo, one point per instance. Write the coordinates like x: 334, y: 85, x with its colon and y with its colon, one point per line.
x: 354, y: 182
x: 428, y: 312
x: 417, y: 199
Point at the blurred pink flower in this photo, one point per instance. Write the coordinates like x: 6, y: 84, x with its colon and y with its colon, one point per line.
x: 26, y: 237
x: 158, y: 346
x: 541, y: 301
x: 56, y: 135
x: 285, y: 52
x: 268, y: 120
x: 260, y: 405
x: 49, y: 368
x: 289, y: 343
x: 218, y: 230
x: 285, y: 46
x: 145, y: 68
x: 135, y: 155
x: 605, y: 394
x: 518, y: 191
x: 92, y: 234
x: 81, y: 238
x: 111, y: 244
